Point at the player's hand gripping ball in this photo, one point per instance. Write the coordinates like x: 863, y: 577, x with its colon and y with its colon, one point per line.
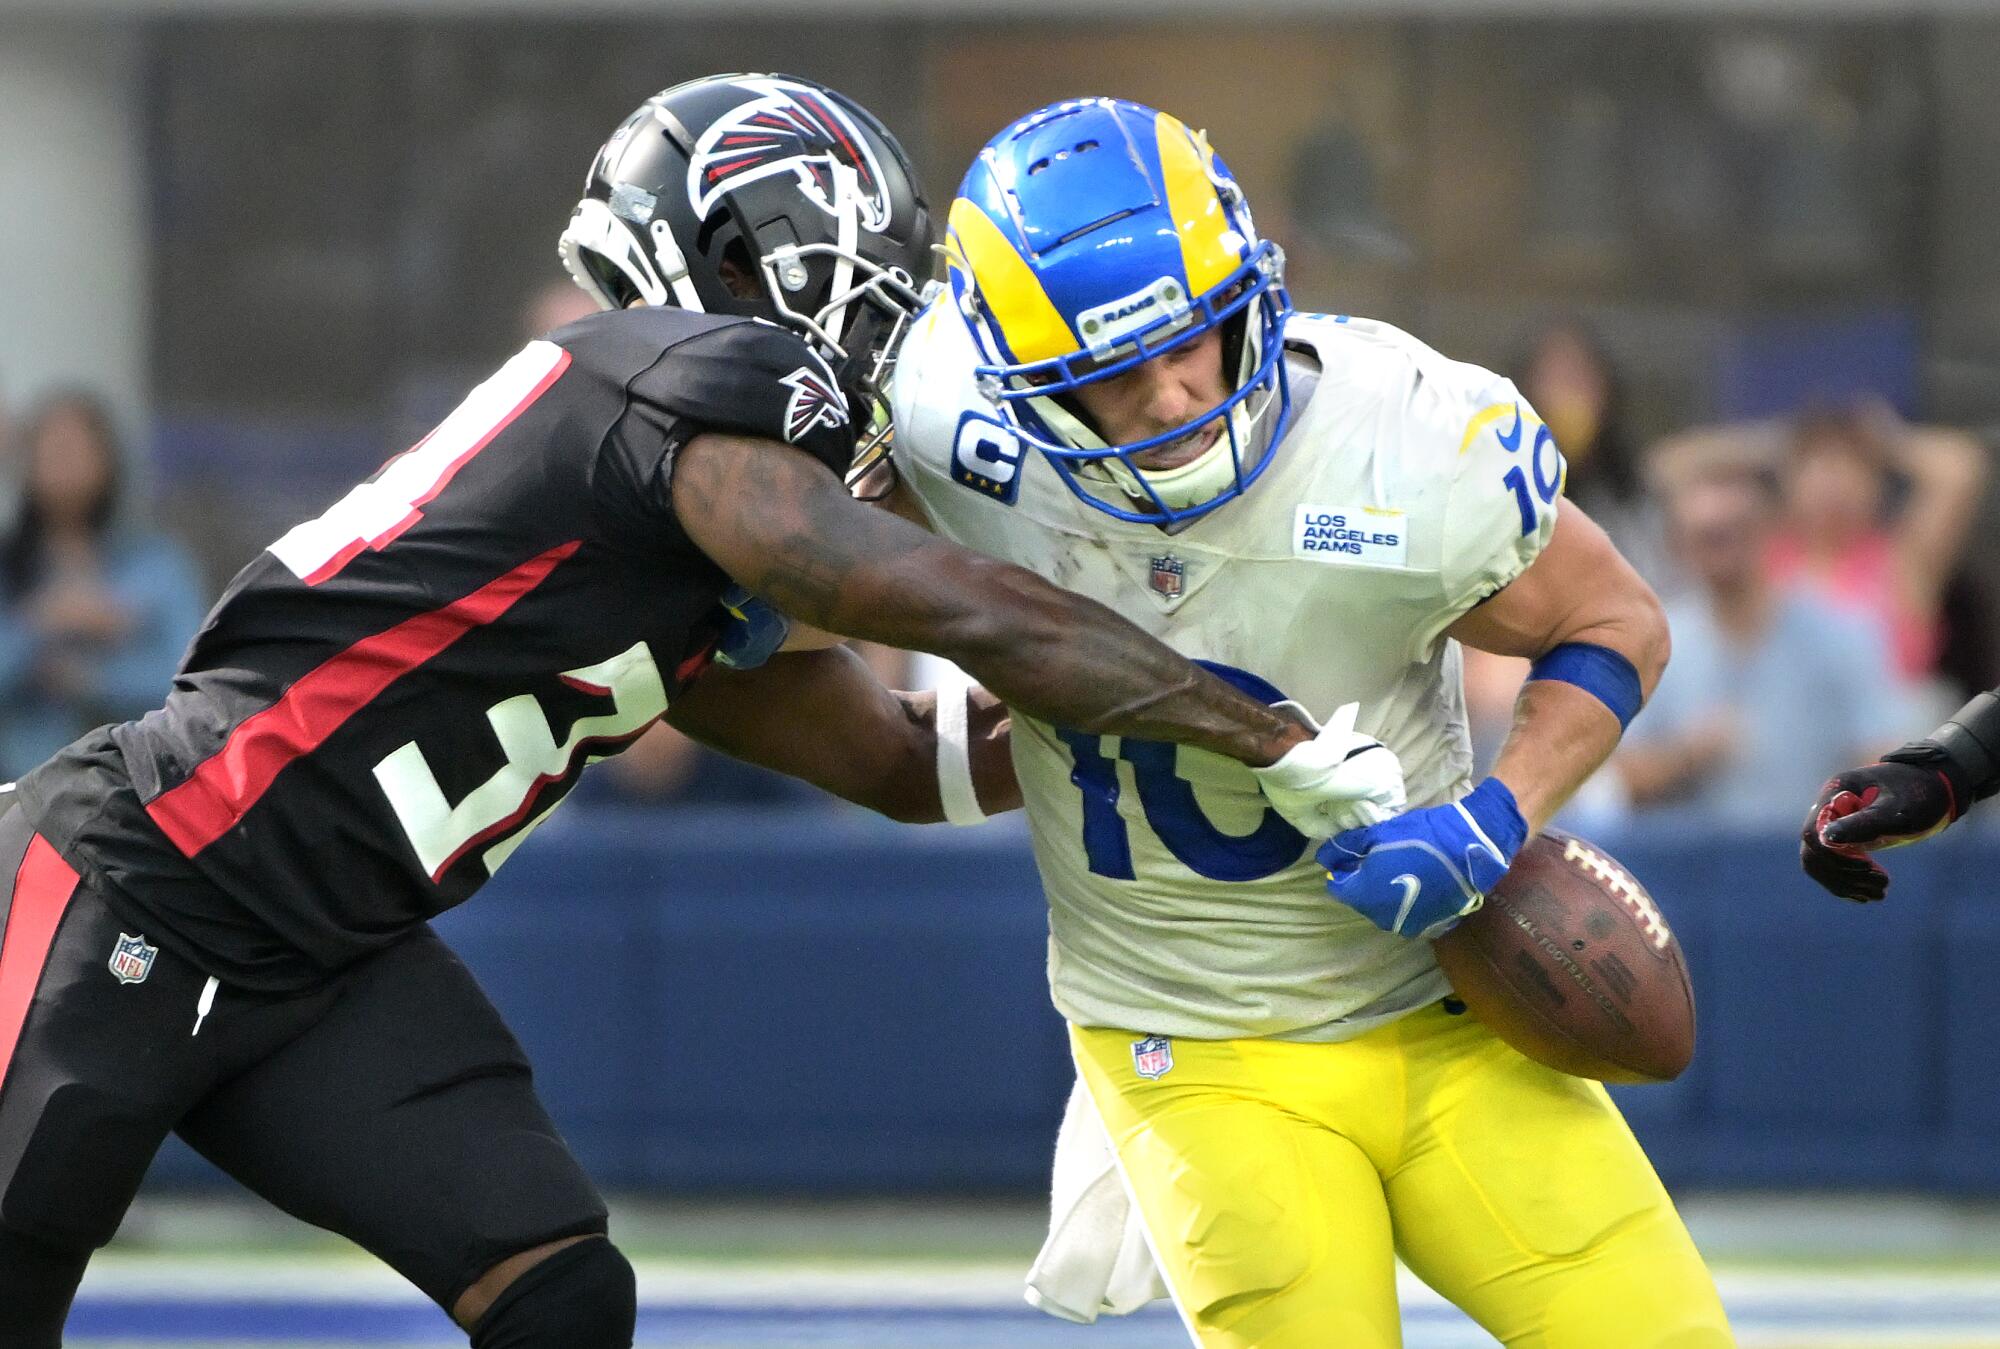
x: 1419, y: 873
x: 1339, y: 779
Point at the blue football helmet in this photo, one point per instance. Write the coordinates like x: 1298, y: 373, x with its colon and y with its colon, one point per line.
x: 1097, y: 234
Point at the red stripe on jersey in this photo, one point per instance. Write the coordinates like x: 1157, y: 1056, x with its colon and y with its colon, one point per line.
x: 42, y: 890
x: 232, y: 780
x: 695, y: 664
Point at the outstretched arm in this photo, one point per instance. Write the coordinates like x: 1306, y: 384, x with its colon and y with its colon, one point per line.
x: 1913, y: 793
x: 1947, y: 475
x: 780, y: 524
x: 822, y: 716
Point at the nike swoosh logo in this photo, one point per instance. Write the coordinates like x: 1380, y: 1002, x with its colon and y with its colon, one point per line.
x: 1510, y: 441
x: 1411, y: 887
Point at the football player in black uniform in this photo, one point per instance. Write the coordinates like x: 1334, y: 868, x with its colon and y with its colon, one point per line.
x: 215, y: 916
x: 1913, y: 793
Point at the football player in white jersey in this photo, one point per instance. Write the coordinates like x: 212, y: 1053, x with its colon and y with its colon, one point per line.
x: 1115, y: 393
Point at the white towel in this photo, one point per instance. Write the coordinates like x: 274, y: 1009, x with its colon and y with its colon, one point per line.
x: 1095, y: 1260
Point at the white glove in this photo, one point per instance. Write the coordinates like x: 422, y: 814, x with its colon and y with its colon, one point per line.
x: 1338, y: 780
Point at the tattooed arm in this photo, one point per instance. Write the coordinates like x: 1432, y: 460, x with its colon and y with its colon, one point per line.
x: 824, y: 717
x: 780, y: 524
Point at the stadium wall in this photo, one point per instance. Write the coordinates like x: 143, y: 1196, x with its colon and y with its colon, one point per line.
x: 851, y: 1007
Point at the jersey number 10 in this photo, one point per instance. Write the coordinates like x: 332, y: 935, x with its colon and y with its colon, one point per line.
x: 1169, y: 804
x: 1548, y: 473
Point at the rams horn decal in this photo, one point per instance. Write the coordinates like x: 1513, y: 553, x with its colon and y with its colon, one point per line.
x: 791, y: 129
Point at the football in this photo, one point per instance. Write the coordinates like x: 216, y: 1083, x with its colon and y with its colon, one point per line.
x: 1571, y: 962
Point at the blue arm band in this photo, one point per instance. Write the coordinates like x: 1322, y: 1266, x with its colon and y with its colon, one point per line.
x: 1597, y: 670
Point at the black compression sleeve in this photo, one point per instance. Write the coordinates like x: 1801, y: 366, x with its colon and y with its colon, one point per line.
x: 1966, y: 749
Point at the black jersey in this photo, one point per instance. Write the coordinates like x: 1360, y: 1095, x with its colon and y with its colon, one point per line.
x: 385, y: 703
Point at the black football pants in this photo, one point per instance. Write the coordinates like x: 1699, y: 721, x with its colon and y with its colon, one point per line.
x: 390, y: 1104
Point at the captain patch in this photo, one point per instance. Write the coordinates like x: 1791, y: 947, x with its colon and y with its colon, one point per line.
x: 1362, y: 536
x: 986, y: 457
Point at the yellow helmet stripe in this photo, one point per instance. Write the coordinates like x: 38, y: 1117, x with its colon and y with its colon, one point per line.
x: 1021, y: 309
x: 1210, y: 249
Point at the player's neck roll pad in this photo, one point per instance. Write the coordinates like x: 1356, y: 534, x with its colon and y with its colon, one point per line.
x: 582, y: 1297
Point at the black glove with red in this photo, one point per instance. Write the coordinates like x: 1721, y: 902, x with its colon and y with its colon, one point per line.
x: 1913, y: 793
x: 1884, y: 805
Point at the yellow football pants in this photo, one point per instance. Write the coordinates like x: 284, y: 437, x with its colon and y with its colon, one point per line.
x: 1276, y: 1180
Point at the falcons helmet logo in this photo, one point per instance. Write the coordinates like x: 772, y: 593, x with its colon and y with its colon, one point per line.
x: 790, y: 130
x: 815, y: 401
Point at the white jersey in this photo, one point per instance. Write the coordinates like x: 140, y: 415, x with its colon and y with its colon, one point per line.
x: 1408, y: 488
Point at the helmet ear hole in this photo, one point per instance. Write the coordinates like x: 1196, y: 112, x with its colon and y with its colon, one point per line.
x: 616, y: 286
x: 737, y: 273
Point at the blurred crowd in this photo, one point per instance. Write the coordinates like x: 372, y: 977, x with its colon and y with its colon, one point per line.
x: 1813, y: 568
x: 95, y: 606
x: 1814, y: 573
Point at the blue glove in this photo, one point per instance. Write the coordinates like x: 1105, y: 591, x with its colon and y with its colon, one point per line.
x: 752, y: 631
x: 1417, y: 874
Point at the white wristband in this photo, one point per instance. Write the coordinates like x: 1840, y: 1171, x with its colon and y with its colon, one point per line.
x: 954, y: 754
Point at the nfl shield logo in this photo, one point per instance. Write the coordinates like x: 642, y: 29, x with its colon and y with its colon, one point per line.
x: 1168, y: 573
x: 132, y: 960
x: 1153, y: 1056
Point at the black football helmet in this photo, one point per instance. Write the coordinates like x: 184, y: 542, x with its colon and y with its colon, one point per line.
x: 764, y: 195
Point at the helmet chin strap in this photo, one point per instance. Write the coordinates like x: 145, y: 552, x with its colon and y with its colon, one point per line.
x: 847, y: 196
x: 1203, y: 478
x: 673, y: 267
x: 886, y: 288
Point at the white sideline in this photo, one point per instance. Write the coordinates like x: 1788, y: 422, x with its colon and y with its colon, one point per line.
x: 343, y: 1277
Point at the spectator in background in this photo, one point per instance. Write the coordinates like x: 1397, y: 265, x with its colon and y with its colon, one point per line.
x: 1875, y: 518
x: 1843, y: 540
x: 95, y: 612
x: 1771, y: 689
x: 424, y: 394
x: 1570, y: 380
